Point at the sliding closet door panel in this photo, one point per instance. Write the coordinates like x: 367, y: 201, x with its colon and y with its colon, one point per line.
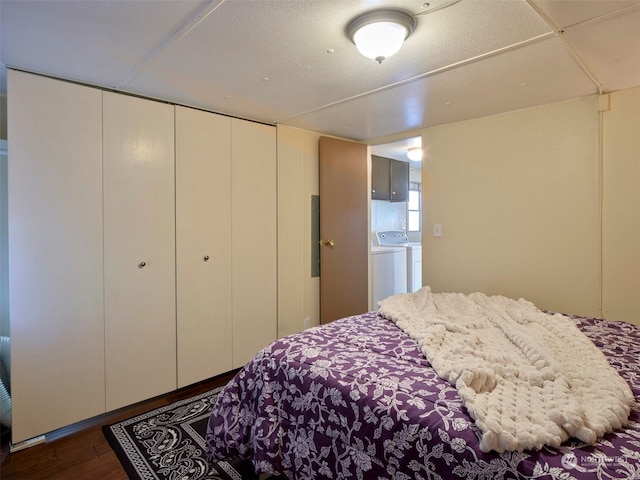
x: 55, y: 253
x: 203, y: 244
x: 254, y: 238
x: 139, y: 235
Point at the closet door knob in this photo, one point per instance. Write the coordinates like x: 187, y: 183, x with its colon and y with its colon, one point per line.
x: 206, y: 258
x: 141, y: 265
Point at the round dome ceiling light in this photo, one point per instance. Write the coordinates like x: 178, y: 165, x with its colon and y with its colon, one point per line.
x: 415, y: 154
x: 378, y: 34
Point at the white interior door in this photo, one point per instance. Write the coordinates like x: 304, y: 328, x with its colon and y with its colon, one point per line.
x: 139, y: 249
x: 203, y: 244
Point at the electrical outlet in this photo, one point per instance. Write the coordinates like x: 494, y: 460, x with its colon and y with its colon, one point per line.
x: 307, y: 322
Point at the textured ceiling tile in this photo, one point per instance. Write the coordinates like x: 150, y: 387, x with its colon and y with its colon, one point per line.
x: 95, y: 42
x: 269, y: 60
x: 611, y: 47
x: 569, y: 12
x: 510, y: 81
x: 229, y: 56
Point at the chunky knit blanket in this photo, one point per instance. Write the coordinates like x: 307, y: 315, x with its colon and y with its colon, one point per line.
x: 527, y: 378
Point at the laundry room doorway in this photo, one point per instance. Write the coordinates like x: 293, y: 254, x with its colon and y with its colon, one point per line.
x: 396, y: 214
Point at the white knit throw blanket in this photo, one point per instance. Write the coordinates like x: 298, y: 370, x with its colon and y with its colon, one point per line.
x: 528, y: 379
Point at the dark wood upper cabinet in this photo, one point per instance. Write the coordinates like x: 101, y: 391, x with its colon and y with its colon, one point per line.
x: 399, y: 181
x: 379, y: 178
x: 389, y: 179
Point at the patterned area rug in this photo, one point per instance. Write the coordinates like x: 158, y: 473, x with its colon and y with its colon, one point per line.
x: 168, y: 443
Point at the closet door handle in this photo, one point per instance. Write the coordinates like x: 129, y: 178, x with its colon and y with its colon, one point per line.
x: 206, y: 258
x: 142, y: 265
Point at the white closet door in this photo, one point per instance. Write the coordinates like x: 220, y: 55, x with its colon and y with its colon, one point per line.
x: 203, y: 244
x: 253, y: 231
x: 55, y: 253
x: 139, y: 236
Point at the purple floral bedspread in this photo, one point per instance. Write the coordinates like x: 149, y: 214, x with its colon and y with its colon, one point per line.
x: 357, y: 399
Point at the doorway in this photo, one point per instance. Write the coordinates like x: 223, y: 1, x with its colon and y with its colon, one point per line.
x: 399, y: 215
x: 387, y: 215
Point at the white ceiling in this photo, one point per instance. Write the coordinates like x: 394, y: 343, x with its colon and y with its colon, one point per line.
x: 290, y: 62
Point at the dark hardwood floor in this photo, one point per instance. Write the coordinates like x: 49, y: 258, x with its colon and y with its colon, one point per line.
x: 81, y: 452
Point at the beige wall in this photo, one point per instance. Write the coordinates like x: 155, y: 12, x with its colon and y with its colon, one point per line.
x: 517, y: 196
x: 298, y: 292
x: 621, y: 206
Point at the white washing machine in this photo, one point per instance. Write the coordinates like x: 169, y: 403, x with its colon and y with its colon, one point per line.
x: 398, y: 238
x: 388, y: 273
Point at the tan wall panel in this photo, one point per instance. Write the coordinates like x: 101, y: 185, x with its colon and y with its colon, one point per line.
x: 517, y: 196
x: 621, y: 207
x: 298, y: 291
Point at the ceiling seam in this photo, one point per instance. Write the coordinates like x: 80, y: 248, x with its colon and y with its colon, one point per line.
x: 599, y: 18
x: 166, y: 43
x: 428, y: 74
x: 559, y: 32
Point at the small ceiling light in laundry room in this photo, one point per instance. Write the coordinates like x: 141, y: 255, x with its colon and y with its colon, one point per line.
x: 378, y: 34
x: 415, y: 154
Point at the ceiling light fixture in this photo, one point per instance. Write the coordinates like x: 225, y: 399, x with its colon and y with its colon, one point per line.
x: 415, y: 154
x: 378, y: 34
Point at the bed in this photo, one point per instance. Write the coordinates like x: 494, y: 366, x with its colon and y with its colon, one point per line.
x: 358, y: 399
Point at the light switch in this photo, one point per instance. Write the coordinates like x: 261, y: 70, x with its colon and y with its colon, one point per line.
x: 437, y: 230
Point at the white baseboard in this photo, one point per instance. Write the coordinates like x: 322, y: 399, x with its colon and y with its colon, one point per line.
x: 32, y: 442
